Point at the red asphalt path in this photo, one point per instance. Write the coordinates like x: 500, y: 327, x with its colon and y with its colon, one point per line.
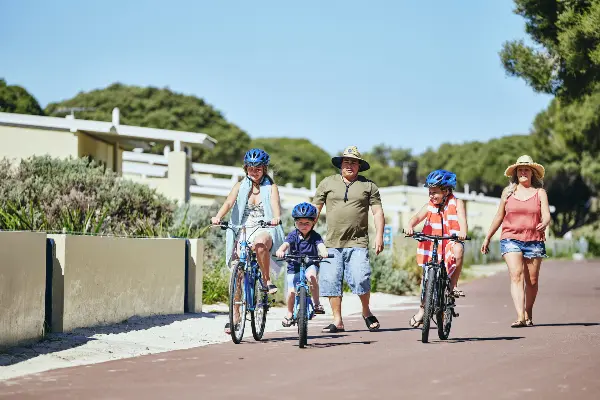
x: 558, y: 358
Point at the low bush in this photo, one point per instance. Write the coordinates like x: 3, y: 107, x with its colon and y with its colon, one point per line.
x: 77, y: 195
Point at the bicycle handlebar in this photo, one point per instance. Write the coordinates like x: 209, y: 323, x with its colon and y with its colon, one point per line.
x: 305, y: 258
x: 262, y: 224
x: 424, y: 236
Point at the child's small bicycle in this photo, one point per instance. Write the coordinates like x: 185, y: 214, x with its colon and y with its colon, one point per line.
x: 436, y: 293
x: 247, y: 291
x: 303, y: 306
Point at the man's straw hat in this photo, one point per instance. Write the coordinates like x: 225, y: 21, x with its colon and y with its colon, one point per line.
x: 351, y: 152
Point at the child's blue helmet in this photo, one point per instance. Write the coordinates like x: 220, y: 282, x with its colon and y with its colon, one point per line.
x: 441, y: 178
x: 256, y: 157
x: 304, y: 210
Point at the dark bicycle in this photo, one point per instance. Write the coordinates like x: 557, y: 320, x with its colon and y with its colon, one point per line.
x: 437, y: 293
x: 303, y: 305
x: 247, y: 291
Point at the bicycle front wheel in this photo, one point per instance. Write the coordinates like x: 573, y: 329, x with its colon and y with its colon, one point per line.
x: 302, y: 317
x: 444, y: 316
x: 258, y: 317
x: 237, y: 304
x: 429, y: 289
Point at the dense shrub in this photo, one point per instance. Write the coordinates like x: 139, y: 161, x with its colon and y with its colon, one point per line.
x: 76, y: 195
x: 395, y: 273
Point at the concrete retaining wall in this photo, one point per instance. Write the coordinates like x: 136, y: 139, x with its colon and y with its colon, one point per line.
x: 104, y: 280
x: 22, y: 287
x: 195, y: 277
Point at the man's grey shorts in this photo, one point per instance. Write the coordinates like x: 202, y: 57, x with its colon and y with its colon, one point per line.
x: 349, y: 263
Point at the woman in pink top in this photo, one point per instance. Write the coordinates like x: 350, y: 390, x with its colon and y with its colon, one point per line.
x: 524, y: 214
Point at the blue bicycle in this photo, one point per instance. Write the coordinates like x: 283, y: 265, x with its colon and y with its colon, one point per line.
x: 304, y: 309
x: 247, y: 291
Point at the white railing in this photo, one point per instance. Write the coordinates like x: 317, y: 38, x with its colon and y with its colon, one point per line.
x: 202, y: 180
x: 144, y: 164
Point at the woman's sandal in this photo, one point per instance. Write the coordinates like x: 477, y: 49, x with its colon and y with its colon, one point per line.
x: 518, y: 324
x: 414, y: 323
x: 287, y: 322
x: 528, y: 322
x: 319, y: 309
x: 272, y: 289
x: 228, y: 328
x: 458, y: 293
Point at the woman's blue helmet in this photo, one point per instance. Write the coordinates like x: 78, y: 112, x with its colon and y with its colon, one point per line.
x: 441, y: 178
x: 256, y: 157
x: 304, y: 210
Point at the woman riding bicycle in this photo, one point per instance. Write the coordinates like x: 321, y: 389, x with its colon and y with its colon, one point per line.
x: 254, y: 198
x: 444, y: 214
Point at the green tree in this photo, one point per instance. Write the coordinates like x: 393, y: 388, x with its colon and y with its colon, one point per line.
x: 566, y: 138
x: 391, y: 166
x: 566, y: 57
x: 164, y: 109
x: 565, y: 62
x: 293, y: 160
x: 15, y: 99
x: 478, y: 164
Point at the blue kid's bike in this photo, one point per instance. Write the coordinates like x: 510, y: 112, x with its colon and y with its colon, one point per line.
x: 247, y: 291
x: 303, y: 306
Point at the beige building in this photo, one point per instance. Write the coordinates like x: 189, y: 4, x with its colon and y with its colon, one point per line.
x: 23, y: 136
x: 121, y: 147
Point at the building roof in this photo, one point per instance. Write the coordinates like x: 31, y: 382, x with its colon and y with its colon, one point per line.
x: 112, y: 131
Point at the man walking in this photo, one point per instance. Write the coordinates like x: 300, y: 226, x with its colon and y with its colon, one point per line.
x: 347, y: 197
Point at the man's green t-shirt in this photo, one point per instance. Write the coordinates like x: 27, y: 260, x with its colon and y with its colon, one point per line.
x: 347, y: 221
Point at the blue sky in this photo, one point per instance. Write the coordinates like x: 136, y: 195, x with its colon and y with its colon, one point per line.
x: 405, y: 73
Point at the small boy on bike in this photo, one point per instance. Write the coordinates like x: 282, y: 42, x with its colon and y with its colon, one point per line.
x: 445, y: 215
x: 303, y: 241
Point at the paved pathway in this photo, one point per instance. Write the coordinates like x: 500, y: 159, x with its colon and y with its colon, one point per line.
x: 557, y: 358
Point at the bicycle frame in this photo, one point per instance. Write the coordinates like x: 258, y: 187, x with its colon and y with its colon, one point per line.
x: 303, y: 282
x: 442, y: 280
x: 310, y: 308
x: 247, y: 260
x: 441, y: 277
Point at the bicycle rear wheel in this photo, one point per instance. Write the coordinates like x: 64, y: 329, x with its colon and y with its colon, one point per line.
x: 428, y: 314
x: 237, y: 304
x: 258, y: 317
x: 302, y: 318
x: 444, y: 316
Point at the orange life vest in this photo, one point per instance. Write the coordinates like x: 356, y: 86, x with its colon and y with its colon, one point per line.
x: 434, y: 222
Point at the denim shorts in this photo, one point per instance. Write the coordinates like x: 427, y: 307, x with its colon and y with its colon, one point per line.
x: 292, y: 279
x: 350, y: 263
x: 532, y: 249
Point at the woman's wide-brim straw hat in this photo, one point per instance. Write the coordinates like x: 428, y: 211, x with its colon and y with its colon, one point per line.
x: 526, y: 161
x: 351, y: 152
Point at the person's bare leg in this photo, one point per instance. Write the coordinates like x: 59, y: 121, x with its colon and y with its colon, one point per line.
x: 531, y: 274
x: 458, y: 252
x: 262, y: 245
x: 514, y: 260
x: 336, y: 309
x: 314, y: 287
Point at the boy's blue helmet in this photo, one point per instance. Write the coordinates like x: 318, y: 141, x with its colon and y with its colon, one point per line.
x: 256, y: 157
x: 304, y: 210
x: 441, y: 178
